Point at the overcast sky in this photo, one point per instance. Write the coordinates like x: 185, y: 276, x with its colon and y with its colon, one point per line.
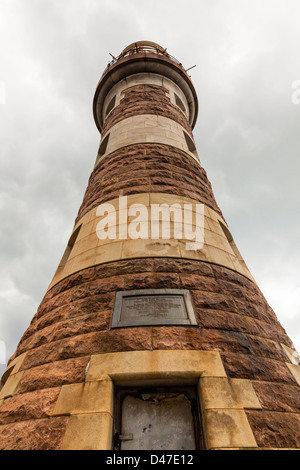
x: 52, y: 55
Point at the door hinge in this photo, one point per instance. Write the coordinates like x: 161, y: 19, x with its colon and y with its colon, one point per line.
x: 124, y: 437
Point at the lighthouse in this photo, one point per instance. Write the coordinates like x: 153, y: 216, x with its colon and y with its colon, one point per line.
x: 153, y: 334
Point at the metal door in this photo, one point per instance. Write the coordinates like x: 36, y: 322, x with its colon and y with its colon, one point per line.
x: 156, y: 421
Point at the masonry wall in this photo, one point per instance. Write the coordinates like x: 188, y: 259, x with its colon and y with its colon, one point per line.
x: 147, y: 158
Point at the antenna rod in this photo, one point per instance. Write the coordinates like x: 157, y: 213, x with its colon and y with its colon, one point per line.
x: 191, y: 68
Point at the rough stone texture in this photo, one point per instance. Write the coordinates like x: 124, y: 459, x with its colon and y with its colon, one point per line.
x: 73, y: 321
x: 254, y: 367
x: 278, y: 397
x: 275, y: 430
x: 39, y: 434
x: 145, y: 99
x: 147, y: 168
x: 53, y: 374
x: 74, y: 317
x: 28, y: 406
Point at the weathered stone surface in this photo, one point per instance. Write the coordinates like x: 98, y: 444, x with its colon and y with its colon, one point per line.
x: 90, y: 431
x: 91, y: 343
x: 120, y: 173
x: 73, y: 319
x: 219, y: 319
x: 145, y: 99
x: 152, y: 281
x: 52, y: 374
x: 201, y: 283
x: 201, y: 339
x: 212, y: 300
x: 73, y: 322
x: 88, y: 304
x: 40, y: 434
x: 266, y: 348
x: 228, y: 429
x: 277, y: 430
x: 253, y: 367
x: 210, y: 318
x: 182, y: 266
x: 278, y: 397
x: 232, y: 276
x: 71, y: 326
x: 33, y: 405
x: 252, y: 309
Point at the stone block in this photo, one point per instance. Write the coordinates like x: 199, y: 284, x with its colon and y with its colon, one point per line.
x: 148, y: 248
x: 54, y: 374
x: 88, y: 432
x: 292, y: 354
x: 40, y: 434
x: 228, y: 429
x: 275, y: 430
x: 136, y: 365
x: 83, y: 398
x: 218, y: 393
x: 10, y: 385
x: 278, y: 397
x: 252, y: 367
x: 28, y: 406
x: 295, y: 371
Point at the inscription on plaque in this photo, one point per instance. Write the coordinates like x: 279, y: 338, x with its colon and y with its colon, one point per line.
x: 153, y: 307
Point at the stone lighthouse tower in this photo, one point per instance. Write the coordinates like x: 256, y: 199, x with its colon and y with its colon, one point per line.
x: 153, y: 333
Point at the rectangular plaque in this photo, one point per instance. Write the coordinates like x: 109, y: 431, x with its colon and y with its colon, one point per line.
x: 153, y: 307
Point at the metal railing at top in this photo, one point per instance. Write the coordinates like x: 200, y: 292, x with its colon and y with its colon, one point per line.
x: 145, y: 50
